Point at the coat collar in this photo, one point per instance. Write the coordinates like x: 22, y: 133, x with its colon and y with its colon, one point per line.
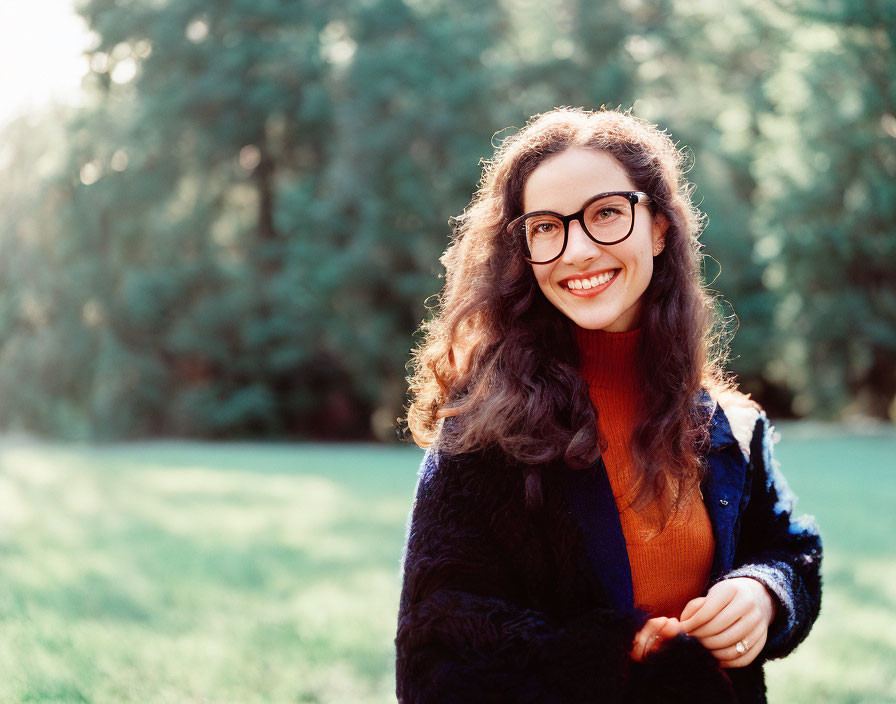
x: 720, y: 433
x: 590, y: 500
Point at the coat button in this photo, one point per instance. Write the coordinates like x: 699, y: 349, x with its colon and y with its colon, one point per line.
x: 723, y: 502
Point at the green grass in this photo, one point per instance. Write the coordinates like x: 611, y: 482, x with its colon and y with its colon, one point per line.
x: 848, y: 482
x: 176, y: 572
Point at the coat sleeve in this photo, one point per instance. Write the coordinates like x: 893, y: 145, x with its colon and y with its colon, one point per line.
x: 779, y: 549
x: 464, y: 637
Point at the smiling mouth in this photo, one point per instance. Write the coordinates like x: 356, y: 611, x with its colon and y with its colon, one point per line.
x: 585, y: 284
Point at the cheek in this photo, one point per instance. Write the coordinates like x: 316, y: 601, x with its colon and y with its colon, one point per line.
x: 640, y: 256
x: 542, y: 275
x: 644, y: 271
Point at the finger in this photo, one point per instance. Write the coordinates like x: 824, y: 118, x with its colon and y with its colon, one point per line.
x: 638, y: 645
x: 691, y: 608
x: 734, y: 611
x: 740, y: 629
x: 716, y: 600
x: 653, y: 645
x: 645, y: 637
x: 748, y: 656
x: 755, y: 641
x: 652, y: 625
x: 667, y: 632
x: 670, y: 630
x: 743, y: 660
x: 652, y: 635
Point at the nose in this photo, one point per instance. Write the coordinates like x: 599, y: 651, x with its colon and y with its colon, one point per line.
x: 579, y: 247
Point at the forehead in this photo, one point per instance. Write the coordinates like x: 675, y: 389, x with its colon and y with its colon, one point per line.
x: 564, y: 181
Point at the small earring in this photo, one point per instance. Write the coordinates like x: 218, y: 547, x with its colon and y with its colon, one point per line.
x: 658, y: 247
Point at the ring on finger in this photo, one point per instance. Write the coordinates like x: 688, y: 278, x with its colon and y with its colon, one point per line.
x: 742, y: 646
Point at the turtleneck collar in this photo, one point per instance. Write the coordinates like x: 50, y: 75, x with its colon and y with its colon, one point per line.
x: 608, y: 360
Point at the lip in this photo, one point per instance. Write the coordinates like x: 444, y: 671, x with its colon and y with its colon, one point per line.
x: 588, y: 293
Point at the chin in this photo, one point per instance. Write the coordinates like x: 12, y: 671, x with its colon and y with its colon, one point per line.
x: 604, y: 317
x: 593, y: 322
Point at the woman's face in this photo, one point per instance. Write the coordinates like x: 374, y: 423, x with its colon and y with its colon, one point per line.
x: 563, y: 183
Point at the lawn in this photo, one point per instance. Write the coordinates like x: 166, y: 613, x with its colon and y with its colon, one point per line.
x: 188, y: 572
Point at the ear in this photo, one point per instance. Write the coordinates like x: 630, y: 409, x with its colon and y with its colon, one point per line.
x: 660, y: 225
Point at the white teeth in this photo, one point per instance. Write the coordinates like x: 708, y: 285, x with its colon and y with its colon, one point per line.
x: 593, y: 282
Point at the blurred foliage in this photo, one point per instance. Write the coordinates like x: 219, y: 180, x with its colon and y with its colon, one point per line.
x: 237, y: 234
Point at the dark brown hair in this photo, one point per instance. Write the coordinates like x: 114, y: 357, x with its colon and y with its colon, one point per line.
x: 502, y: 358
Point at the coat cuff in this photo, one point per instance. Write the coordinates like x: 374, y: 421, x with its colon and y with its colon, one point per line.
x: 777, y: 577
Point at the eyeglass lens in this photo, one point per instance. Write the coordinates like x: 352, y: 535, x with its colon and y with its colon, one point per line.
x: 607, y: 220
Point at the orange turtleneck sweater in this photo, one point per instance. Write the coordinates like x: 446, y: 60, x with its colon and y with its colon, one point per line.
x: 671, y: 567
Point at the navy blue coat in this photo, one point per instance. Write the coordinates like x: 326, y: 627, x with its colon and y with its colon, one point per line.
x: 503, y: 604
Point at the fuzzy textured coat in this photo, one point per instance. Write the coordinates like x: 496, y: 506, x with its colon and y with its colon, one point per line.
x: 500, y: 604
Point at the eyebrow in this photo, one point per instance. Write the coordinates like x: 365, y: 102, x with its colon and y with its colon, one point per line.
x: 584, y: 203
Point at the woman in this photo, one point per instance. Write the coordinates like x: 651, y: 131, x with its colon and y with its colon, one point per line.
x: 598, y: 517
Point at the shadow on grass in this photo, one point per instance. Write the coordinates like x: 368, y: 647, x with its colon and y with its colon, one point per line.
x: 90, y: 596
x: 162, y: 572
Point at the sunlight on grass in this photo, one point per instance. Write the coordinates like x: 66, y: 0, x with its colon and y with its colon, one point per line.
x: 13, y: 507
x: 186, y: 572
x: 299, y: 508
x: 848, y: 481
x: 849, y: 656
x: 189, y: 572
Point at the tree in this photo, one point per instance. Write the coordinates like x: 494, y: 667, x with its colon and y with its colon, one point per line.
x: 828, y: 207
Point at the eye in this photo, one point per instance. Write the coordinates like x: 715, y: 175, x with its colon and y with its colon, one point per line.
x: 607, y: 214
x: 542, y: 227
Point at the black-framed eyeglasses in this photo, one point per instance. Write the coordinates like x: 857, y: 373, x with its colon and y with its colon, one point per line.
x: 607, y: 218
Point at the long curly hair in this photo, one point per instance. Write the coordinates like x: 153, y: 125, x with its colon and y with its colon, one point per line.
x: 502, y: 359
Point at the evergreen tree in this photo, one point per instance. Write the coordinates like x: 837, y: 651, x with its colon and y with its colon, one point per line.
x: 828, y: 207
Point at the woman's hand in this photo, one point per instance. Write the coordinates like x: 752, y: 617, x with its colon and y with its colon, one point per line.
x: 731, y: 621
x: 652, y: 635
